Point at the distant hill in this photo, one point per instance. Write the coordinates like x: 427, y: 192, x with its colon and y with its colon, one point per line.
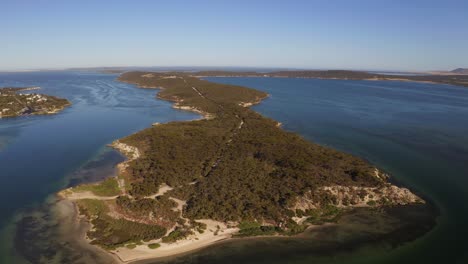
x: 460, y: 71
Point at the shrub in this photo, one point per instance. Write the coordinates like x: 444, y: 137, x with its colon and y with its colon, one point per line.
x: 131, y: 246
x: 108, y: 187
x: 154, y: 245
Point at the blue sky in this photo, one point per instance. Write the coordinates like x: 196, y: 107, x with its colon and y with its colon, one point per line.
x: 359, y: 34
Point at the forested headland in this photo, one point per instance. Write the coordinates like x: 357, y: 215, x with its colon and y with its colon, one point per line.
x: 235, y: 167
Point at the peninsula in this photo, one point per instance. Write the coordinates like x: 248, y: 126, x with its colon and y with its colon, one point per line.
x: 234, y: 173
x: 13, y: 104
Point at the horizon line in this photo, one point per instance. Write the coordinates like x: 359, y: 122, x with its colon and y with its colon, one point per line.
x: 214, y: 68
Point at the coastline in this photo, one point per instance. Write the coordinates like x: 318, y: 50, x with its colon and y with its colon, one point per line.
x: 68, y: 212
x: 191, y: 243
x: 216, y: 232
x: 319, y: 78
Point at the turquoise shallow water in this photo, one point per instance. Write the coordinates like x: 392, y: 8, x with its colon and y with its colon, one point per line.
x: 416, y: 132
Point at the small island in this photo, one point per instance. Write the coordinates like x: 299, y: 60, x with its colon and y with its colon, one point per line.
x: 232, y: 174
x: 14, y: 104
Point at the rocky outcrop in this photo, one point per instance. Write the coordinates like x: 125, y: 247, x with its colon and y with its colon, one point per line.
x: 129, y: 151
x: 355, y: 196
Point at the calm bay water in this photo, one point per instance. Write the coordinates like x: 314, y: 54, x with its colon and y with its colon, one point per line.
x: 416, y: 132
x: 39, y: 153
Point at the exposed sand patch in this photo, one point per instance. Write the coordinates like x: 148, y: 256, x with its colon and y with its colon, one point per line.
x: 215, y: 231
x: 163, y: 188
x: 391, y: 194
x: 129, y: 151
x: 398, y: 79
x: 73, y: 196
x: 149, y: 75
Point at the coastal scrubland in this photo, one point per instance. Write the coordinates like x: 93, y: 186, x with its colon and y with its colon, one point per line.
x: 235, y: 172
x: 13, y: 104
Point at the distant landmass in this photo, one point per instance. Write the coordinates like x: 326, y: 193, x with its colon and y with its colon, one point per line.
x: 460, y: 71
x: 453, y: 79
x: 457, y: 77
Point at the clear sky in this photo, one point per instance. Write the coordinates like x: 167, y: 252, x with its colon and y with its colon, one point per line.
x: 347, y: 34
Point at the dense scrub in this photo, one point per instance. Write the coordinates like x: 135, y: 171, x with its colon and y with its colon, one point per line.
x: 235, y: 166
x: 207, y: 96
x: 238, y: 165
x: 177, y: 234
x: 108, y: 187
x: 159, y: 208
x: 109, y: 232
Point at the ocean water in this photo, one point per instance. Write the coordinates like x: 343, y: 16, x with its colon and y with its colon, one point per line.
x: 39, y: 155
x: 416, y: 132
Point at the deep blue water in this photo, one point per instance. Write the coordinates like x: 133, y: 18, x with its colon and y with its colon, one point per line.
x: 416, y: 132
x: 37, y: 153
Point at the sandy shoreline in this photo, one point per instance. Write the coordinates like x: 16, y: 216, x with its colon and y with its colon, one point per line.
x: 76, y: 225
x: 68, y: 208
x: 197, y: 241
x: 215, y: 232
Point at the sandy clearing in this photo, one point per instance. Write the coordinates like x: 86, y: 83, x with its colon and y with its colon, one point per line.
x: 70, y: 195
x: 215, y: 231
x: 163, y: 188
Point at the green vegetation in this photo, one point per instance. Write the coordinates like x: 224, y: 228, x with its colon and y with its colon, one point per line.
x: 259, y: 231
x: 293, y: 228
x: 160, y: 207
x: 154, y: 245
x: 199, y: 227
x: 13, y: 104
x: 108, y: 187
x: 234, y: 166
x: 177, y: 234
x: 249, y: 228
x: 256, y: 229
x: 244, y: 225
x: 131, y: 246
x: 92, y: 207
x: 244, y: 166
x: 327, y: 214
x: 111, y: 233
